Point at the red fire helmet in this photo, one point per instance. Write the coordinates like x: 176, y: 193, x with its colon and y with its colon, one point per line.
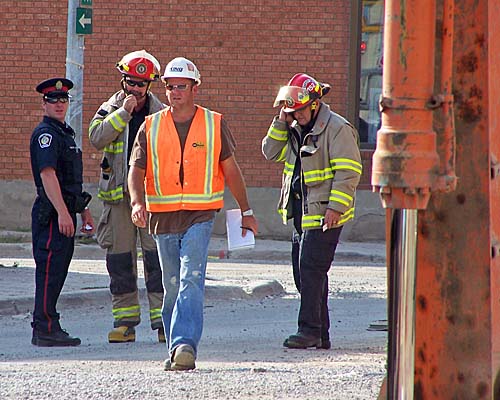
x: 299, y: 92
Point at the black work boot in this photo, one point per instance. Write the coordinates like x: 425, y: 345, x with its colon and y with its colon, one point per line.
x: 325, y: 340
x: 325, y: 344
x: 54, y: 339
x: 302, y: 341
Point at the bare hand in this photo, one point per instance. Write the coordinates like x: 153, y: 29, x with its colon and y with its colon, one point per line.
x: 286, y: 117
x: 249, y: 223
x: 130, y: 103
x: 66, y: 226
x: 332, y: 218
x: 139, y: 215
x: 87, y: 222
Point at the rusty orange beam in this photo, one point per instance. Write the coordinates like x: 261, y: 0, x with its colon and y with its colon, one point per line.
x: 405, y: 163
x: 444, y: 119
x: 458, y: 268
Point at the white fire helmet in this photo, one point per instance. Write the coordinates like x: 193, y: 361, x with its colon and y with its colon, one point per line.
x: 181, y: 67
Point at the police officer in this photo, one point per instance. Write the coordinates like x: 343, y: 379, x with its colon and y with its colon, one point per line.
x: 56, y: 163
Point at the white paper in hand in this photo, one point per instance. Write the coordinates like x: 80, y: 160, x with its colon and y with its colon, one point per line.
x: 233, y: 226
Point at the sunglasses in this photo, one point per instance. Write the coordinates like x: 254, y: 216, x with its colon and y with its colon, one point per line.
x: 178, y: 87
x: 136, y: 83
x: 54, y: 100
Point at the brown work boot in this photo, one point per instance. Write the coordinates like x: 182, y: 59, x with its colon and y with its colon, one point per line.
x: 167, y: 365
x: 161, y: 335
x: 184, y: 358
x: 122, y: 334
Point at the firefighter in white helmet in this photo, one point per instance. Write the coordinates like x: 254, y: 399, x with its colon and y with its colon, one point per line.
x: 181, y: 160
x: 113, y: 130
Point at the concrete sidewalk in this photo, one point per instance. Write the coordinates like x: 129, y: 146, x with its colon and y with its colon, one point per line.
x: 18, y: 244
x: 88, y: 282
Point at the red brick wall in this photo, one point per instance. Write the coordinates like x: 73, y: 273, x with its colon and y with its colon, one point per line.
x: 244, y: 50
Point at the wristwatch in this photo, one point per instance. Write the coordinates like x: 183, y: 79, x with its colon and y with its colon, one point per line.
x: 247, y: 213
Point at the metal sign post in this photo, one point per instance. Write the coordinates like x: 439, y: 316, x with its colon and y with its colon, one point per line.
x: 79, y: 24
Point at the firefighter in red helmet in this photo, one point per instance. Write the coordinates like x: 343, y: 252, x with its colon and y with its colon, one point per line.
x: 322, y: 168
x: 113, y: 130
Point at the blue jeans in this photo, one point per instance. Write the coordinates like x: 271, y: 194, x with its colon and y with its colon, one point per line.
x: 183, y: 260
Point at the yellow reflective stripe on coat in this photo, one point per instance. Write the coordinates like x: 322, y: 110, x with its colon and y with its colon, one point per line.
x: 111, y: 195
x: 349, y: 214
x: 282, y: 156
x: 114, y: 148
x: 284, y: 215
x: 288, y: 169
x: 94, y: 124
x: 315, y: 221
x: 311, y: 221
x: 116, y: 121
x: 318, y: 175
x: 277, y: 134
x: 126, y: 312
x: 340, y: 197
x: 155, y: 313
x: 346, y: 163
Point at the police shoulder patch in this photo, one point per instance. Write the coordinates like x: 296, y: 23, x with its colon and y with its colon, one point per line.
x: 44, y: 140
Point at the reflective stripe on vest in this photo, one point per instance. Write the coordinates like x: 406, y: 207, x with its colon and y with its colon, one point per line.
x: 203, y: 186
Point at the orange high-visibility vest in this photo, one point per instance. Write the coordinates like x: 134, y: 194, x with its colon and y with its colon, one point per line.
x: 203, y: 186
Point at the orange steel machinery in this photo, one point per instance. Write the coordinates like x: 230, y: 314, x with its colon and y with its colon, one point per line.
x: 437, y: 169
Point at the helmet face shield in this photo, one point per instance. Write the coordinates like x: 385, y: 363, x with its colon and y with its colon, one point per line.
x: 300, y: 91
x: 293, y: 98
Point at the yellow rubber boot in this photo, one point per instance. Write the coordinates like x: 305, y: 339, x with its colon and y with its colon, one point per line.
x: 122, y: 334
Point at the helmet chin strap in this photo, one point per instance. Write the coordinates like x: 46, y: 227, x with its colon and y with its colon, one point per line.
x: 314, y: 110
x: 124, y: 88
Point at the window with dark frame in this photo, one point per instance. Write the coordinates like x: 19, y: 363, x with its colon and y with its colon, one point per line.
x: 370, y: 88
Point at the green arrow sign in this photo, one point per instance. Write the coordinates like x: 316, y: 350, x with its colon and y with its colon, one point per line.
x: 83, y: 21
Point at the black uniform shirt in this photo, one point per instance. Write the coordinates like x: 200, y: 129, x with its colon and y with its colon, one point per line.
x: 53, y: 145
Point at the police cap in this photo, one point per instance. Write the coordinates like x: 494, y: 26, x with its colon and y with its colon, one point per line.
x: 55, y: 87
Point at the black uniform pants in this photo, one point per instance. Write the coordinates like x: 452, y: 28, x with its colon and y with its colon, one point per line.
x: 312, y: 255
x: 317, y: 249
x: 52, y: 252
